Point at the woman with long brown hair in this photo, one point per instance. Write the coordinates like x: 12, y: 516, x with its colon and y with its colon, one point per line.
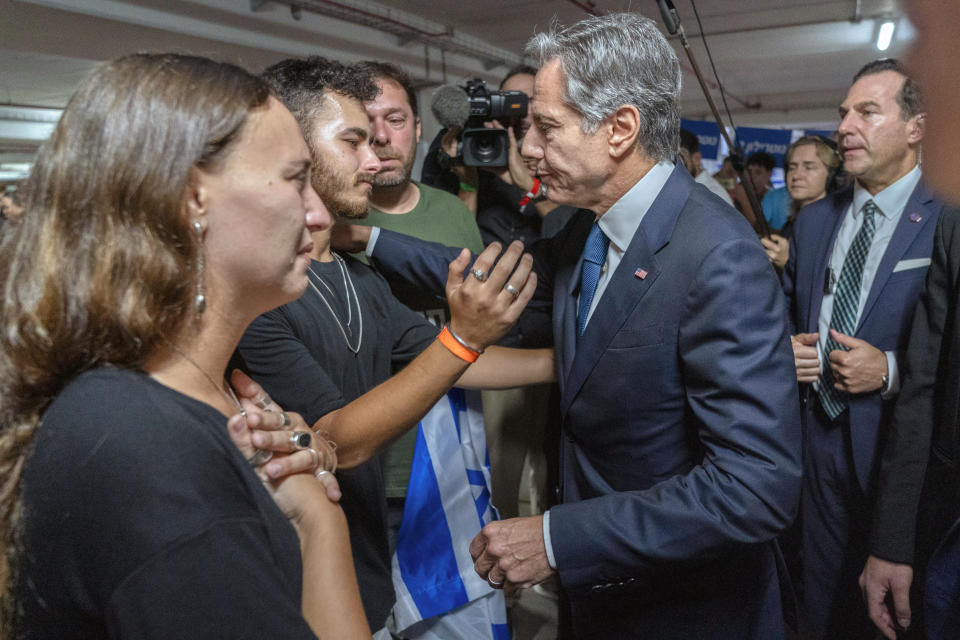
x: 169, y: 208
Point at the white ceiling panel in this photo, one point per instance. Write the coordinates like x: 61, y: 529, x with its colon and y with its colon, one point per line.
x: 783, y: 62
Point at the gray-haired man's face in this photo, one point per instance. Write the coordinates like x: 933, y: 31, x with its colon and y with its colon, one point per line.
x: 573, y: 164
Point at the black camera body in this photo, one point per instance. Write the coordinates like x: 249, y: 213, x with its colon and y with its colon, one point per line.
x: 483, y: 147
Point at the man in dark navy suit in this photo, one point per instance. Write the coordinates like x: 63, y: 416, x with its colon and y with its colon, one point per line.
x: 680, y: 446
x: 853, y: 280
x: 915, y: 537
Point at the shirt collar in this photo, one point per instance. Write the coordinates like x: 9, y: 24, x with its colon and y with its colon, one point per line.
x: 892, y: 200
x: 621, y: 221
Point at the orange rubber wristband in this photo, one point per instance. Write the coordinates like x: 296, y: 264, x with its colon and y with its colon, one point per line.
x: 457, y: 349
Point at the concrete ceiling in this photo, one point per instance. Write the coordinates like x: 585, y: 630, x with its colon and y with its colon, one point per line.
x: 782, y: 62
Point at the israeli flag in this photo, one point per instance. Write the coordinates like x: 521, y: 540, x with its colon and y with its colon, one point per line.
x: 439, y: 595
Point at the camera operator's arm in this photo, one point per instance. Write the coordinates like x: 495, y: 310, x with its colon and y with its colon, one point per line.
x: 519, y: 173
x: 466, y: 175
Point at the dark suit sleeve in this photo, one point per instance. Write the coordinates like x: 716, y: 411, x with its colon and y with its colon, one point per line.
x: 908, y: 445
x: 741, y: 411
x: 425, y: 265
x: 788, y: 279
x: 413, y: 261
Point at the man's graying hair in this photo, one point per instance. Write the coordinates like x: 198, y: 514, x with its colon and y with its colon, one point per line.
x: 615, y: 60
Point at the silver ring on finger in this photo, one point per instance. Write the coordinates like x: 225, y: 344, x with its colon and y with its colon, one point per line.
x: 300, y: 440
x: 512, y: 290
x: 284, y: 419
x: 263, y: 401
x: 494, y: 583
x: 260, y: 457
x: 479, y: 274
x: 320, y: 473
x: 316, y: 457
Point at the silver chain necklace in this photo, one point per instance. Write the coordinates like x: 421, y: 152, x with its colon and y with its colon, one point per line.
x: 348, y: 288
x: 232, y: 396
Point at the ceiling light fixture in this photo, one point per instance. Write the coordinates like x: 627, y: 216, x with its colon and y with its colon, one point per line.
x: 885, y: 35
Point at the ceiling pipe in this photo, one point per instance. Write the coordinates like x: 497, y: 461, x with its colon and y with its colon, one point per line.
x: 382, y: 18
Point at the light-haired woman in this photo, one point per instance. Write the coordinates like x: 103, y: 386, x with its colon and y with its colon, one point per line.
x: 812, y: 167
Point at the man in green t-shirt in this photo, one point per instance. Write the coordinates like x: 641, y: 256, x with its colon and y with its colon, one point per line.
x: 401, y: 204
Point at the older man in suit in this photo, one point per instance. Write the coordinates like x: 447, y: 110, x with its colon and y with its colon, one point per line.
x: 853, y: 281
x: 915, y: 538
x: 680, y: 446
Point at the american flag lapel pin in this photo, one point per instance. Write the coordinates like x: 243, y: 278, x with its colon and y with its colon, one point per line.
x: 915, y: 217
x: 640, y: 273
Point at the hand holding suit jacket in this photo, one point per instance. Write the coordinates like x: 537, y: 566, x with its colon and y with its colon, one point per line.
x: 887, y: 310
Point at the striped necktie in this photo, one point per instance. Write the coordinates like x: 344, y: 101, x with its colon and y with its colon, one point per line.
x: 594, y: 255
x: 846, y: 300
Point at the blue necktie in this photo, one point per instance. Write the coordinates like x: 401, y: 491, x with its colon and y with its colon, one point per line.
x: 846, y: 300
x: 594, y: 255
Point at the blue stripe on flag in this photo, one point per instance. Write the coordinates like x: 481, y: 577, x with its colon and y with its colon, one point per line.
x: 482, y: 501
x: 476, y: 478
x: 445, y: 590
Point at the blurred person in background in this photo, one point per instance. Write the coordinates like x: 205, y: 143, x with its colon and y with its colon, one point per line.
x: 812, y: 166
x: 693, y: 161
x: 10, y: 207
x: 915, y: 534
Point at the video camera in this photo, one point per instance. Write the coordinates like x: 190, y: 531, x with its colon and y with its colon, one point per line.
x: 477, y: 145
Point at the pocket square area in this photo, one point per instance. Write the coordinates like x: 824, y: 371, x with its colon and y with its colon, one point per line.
x: 915, y: 263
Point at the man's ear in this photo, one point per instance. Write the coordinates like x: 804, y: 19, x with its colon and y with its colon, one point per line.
x: 624, y: 127
x: 916, y: 127
x: 418, y: 131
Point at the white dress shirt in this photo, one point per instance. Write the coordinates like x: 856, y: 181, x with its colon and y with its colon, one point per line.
x: 621, y: 221
x: 711, y: 183
x: 891, y: 203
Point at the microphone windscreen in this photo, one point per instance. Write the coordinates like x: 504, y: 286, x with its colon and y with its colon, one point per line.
x: 450, y: 106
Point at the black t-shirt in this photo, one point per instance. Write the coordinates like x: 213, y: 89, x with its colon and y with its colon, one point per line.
x: 499, y: 215
x: 143, y: 520
x: 298, y: 353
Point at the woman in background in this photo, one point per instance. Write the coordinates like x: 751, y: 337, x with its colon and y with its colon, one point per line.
x: 168, y: 209
x: 812, y: 165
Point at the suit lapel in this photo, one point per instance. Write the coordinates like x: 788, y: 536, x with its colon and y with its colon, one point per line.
x: 825, y: 246
x: 920, y: 202
x: 625, y: 290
